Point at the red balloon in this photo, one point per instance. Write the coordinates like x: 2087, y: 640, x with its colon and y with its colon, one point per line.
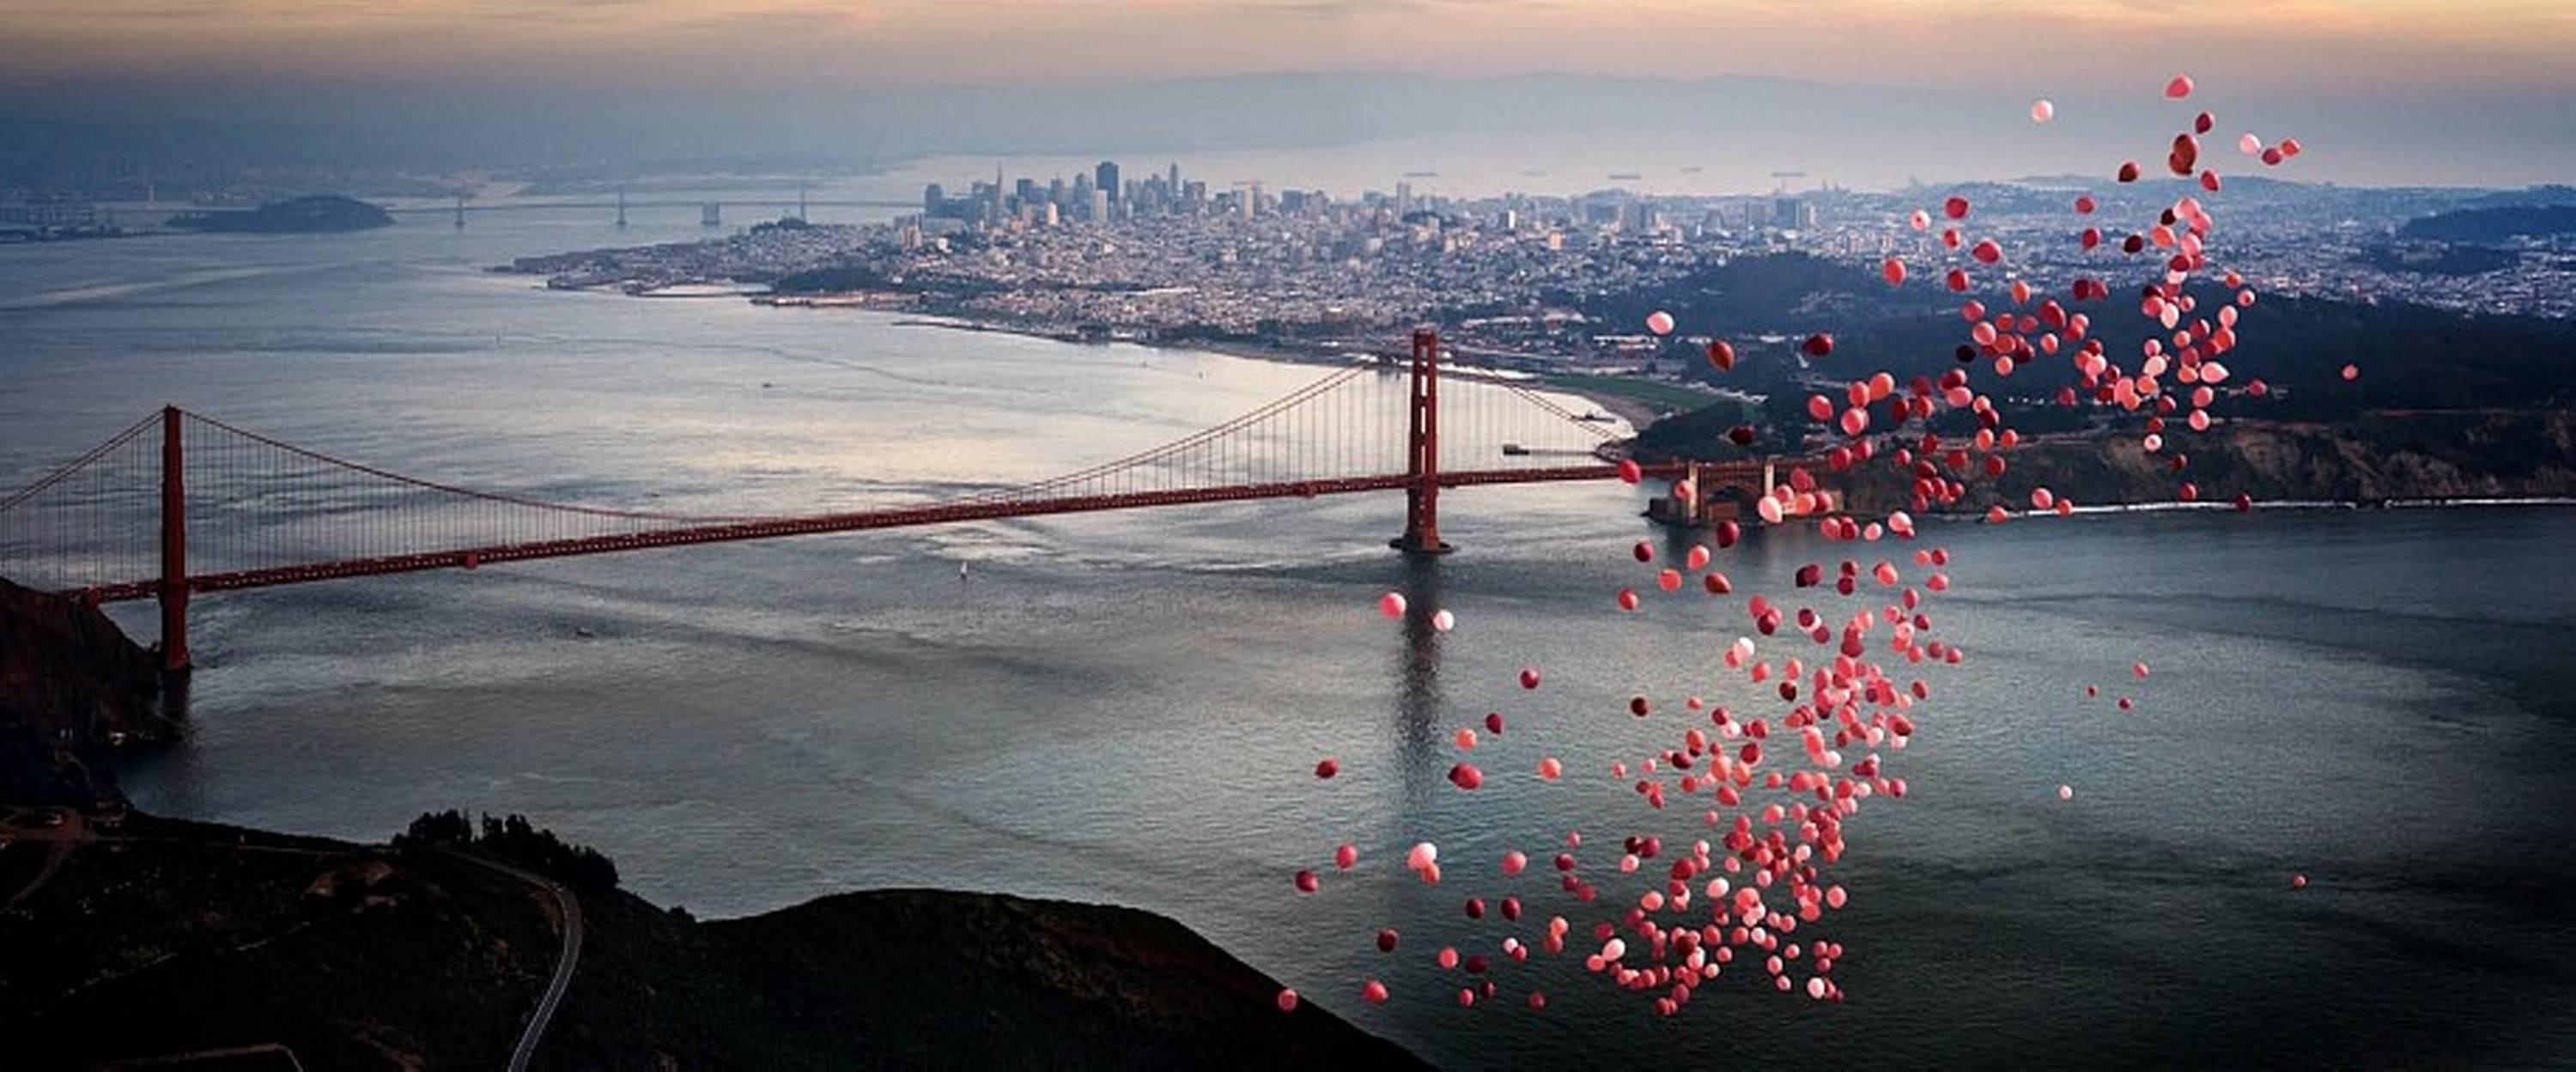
x: 1328, y: 767
x: 1720, y: 354
x: 1818, y: 344
x: 2128, y: 171
x: 1629, y: 471
x: 1956, y: 208
x: 1529, y: 677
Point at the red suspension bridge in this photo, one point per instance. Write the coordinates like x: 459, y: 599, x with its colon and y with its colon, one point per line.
x: 207, y: 507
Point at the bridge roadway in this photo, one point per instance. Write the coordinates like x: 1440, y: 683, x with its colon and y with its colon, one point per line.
x: 973, y: 509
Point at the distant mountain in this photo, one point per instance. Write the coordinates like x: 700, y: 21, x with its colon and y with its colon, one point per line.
x: 2495, y: 224
x: 320, y: 214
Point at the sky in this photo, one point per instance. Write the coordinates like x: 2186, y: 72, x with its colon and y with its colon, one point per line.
x: 2477, y: 47
x: 2489, y: 81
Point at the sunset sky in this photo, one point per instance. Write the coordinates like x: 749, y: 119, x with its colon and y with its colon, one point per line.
x: 2482, y: 48
x: 2407, y: 91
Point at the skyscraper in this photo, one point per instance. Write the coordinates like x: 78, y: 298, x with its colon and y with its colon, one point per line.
x: 934, y: 200
x: 1105, y: 177
x: 1172, y: 185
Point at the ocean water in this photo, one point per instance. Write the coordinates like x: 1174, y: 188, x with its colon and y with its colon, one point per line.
x: 1127, y: 707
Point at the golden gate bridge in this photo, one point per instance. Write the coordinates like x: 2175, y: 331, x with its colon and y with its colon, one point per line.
x: 205, y: 507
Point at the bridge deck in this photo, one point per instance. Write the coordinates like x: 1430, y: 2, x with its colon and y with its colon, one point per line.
x: 856, y: 521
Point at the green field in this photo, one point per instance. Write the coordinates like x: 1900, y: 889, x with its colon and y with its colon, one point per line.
x: 1652, y: 392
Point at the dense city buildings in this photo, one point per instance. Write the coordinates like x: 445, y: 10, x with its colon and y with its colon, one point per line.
x: 1103, y: 256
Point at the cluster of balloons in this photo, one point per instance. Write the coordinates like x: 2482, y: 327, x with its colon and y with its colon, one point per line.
x: 1834, y: 678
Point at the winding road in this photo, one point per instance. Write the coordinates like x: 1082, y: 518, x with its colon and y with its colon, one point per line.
x: 564, y: 963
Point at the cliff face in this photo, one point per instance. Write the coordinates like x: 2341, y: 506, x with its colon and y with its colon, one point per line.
x: 68, y: 679
x: 2384, y: 455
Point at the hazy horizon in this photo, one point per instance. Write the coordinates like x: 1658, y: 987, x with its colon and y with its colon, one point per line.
x: 1865, y: 92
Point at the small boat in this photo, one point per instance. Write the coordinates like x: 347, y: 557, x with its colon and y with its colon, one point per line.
x: 1597, y: 417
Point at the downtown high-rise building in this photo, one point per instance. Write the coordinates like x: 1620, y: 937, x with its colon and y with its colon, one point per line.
x: 1105, y: 177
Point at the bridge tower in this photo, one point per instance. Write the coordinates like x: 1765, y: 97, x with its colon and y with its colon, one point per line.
x: 173, y: 589
x: 1422, y: 494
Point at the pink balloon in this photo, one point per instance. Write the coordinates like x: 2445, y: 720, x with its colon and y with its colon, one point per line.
x: 1346, y: 856
x: 1514, y: 862
x: 2065, y: 792
x: 1373, y: 992
x: 1391, y: 605
x: 1443, y: 621
x: 2042, y: 111
x: 1659, y: 322
x: 1551, y: 768
x: 2179, y: 88
x: 1630, y: 471
x: 1287, y: 1000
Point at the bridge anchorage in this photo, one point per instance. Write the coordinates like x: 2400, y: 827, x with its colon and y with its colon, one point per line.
x: 206, y: 507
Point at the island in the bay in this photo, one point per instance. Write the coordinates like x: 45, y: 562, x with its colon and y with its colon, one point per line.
x: 318, y: 214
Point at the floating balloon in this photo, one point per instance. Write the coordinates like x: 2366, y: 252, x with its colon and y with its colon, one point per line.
x: 1818, y: 345
x: 2351, y: 372
x: 1629, y: 472
x: 2042, y: 111
x: 1720, y: 354
x: 2065, y: 792
x: 1893, y: 270
x: 2179, y: 88
x: 1443, y: 621
x: 1346, y: 855
x: 1287, y: 1000
x: 1373, y: 992
x: 1659, y: 322
x: 1391, y: 605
